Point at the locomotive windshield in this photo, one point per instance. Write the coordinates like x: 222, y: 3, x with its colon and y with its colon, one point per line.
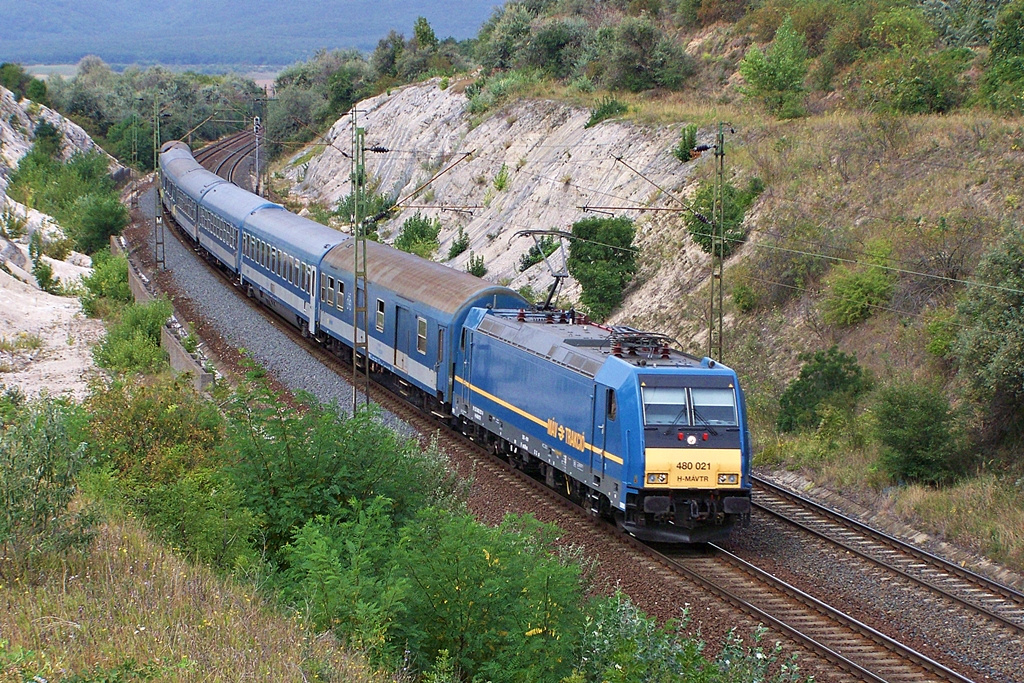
x: 665, y: 406
x: 714, y: 406
x: 680, y: 406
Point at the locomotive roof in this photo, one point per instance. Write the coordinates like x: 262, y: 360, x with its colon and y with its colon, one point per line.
x: 433, y: 284
x: 570, y: 340
x: 291, y: 232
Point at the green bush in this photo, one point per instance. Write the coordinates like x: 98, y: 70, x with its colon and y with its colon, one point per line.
x: 735, y: 205
x: 854, y: 294
x: 557, y: 46
x: 501, y: 179
x: 990, y: 343
x: 12, y: 225
x: 537, y: 253
x: 776, y: 77
x: 301, y: 464
x: 744, y: 298
x: 917, y: 84
x: 919, y: 437
x: 826, y: 377
x: 501, y: 600
x: 173, y: 431
x: 98, y: 217
x: 47, y: 139
x: 640, y: 57
x: 622, y: 644
x: 201, y: 514
x: 603, y: 261
x: 607, y: 107
x: 459, y: 244
x: 343, y: 571
x: 687, y: 141
x: 475, y: 265
x: 133, y: 343
x: 40, y: 466
x: 1002, y: 86
x: 106, y: 287
x: 419, y: 236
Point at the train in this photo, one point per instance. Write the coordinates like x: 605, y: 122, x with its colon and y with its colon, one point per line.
x: 617, y: 419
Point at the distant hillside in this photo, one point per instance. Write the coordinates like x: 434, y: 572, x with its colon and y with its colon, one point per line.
x: 216, y: 31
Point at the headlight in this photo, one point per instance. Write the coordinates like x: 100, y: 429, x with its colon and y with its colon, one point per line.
x: 728, y: 478
x: 657, y: 478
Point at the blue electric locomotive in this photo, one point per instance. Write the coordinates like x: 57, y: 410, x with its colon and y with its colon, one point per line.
x: 621, y: 422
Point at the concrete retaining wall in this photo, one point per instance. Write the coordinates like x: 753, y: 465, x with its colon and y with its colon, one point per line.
x: 181, y: 360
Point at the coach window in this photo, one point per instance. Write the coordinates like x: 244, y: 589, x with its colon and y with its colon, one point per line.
x: 380, y: 315
x: 323, y: 287
x: 330, y: 291
x: 341, y: 296
x: 421, y: 335
x: 440, y: 344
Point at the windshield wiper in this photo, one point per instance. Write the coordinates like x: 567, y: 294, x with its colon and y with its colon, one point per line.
x: 704, y: 421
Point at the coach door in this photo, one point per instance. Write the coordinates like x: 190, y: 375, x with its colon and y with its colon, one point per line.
x: 405, y: 331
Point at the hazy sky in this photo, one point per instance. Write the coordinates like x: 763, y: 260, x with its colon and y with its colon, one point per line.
x: 217, y: 31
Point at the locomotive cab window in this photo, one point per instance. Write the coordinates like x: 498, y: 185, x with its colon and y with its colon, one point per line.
x: 380, y: 315
x: 714, y: 407
x: 665, y: 406
x: 612, y: 409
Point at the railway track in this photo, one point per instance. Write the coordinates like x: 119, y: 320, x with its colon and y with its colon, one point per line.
x: 854, y: 650
x: 1001, y: 604
x: 857, y: 649
x: 231, y: 158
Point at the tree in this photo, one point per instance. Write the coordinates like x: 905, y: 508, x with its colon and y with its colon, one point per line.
x: 47, y: 139
x: 503, y: 40
x: 14, y: 77
x: 39, y: 467
x: 990, y: 345
x: 735, y: 205
x: 776, y: 78
x: 1002, y: 86
x: 99, y: 217
x: 916, y: 429
x: 384, y: 60
x: 826, y: 376
x: 603, y: 261
x: 423, y: 34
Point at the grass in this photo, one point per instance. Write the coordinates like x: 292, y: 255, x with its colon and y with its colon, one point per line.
x: 314, y: 151
x: 23, y: 341
x: 132, y: 602
x: 985, y: 514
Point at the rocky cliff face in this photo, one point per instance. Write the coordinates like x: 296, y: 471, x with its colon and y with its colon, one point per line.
x: 18, y: 120
x: 555, y: 168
